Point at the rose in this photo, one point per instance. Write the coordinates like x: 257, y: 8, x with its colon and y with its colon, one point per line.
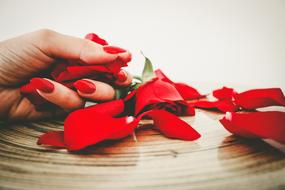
x: 113, y: 120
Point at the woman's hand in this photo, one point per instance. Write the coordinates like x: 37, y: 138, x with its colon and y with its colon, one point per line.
x: 22, y: 58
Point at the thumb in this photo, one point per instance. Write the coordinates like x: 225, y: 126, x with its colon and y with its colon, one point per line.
x: 57, y: 45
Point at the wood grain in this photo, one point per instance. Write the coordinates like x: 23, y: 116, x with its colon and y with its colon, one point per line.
x: 218, y: 160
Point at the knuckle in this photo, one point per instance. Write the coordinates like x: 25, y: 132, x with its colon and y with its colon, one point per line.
x: 43, y: 39
x: 45, y: 33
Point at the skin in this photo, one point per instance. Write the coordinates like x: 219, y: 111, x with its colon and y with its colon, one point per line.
x: 23, y: 57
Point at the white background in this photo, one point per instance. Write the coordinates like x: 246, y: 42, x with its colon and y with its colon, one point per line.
x: 224, y: 41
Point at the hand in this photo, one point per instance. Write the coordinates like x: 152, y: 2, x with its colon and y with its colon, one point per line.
x: 22, y: 58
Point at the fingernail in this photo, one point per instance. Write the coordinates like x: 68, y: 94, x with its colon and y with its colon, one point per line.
x: 95, y: 38
x: 122, y: 76
x: 42, y: 85
x: 27, y: 88
x: 85, y: 86
x: 113, y: 49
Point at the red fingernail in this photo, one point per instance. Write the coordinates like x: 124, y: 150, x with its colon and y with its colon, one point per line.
x: 95, y: 38
x: 85, y: 86
x: 113, y: 49
x: 42, y: 85
x: 122, y: 76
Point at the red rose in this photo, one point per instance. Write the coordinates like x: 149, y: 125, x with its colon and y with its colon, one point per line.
x: 186, y: 91
x: 111, y: 120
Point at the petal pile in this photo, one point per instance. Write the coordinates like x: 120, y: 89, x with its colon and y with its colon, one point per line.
x: 270, y: 124
x: 101, y: 122
x: 228, y: 100
x: 157, y: 99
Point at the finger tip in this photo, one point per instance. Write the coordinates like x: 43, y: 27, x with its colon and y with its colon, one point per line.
x: 85, y: 86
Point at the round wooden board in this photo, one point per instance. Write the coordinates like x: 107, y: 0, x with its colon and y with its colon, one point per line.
x: 218, y: 160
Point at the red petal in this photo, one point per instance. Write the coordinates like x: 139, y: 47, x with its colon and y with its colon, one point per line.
x: 130, y: 95
x: 78, y: 72
x: 165, y: 91
x: 83, y: 128
x: 54, y: 138
x: 268, y: 125
x: 224, y: 93
x: 172, y: 126
x: 188, y: 92
x: 115, y: 66
x: 60, y: 67
x: 222, y: 105
x: 155, y: 91
x: 190, y: 111
x: 95, y: 38
x: 258, y: 98
x: 159, y: 74
x: 184, y: 109
x: 83, y: 68
x: 91, y: 125
x: 112, y: 108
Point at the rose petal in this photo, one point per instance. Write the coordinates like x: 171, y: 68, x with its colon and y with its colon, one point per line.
x: 83, y: 128
x: 268, y: 125
x: 112, y: 108
x: 54, y: 138
x: 221, y: 105
x: 155, y: 91
x: 224, y: 93
x: 258, y: 98
x: 172, y: 126
x: 97, y: 123
x: 159, y: 74
x: 188, y: 92
x: 115, y: 66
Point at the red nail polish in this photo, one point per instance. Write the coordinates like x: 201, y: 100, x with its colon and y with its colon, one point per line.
x: 122, y: 76
x: 85, y: 86
x: 42, y: 85
x: 95, y: 38
x: 113, y: 49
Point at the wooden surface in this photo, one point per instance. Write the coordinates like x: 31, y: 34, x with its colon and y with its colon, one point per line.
x: 218, y: 160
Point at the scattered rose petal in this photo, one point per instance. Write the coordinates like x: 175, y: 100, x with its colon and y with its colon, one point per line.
x: 258, y: 98
x: 221, y: 105
x: 172, y: 126
x: 83, y: 128
x: 188, y: 92
x: 53, y: 138
x: 111, y: 108
x: 224, y: 93
x: 267, y: 125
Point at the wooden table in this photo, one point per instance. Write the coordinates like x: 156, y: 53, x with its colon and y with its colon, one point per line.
x: 218, y: 160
